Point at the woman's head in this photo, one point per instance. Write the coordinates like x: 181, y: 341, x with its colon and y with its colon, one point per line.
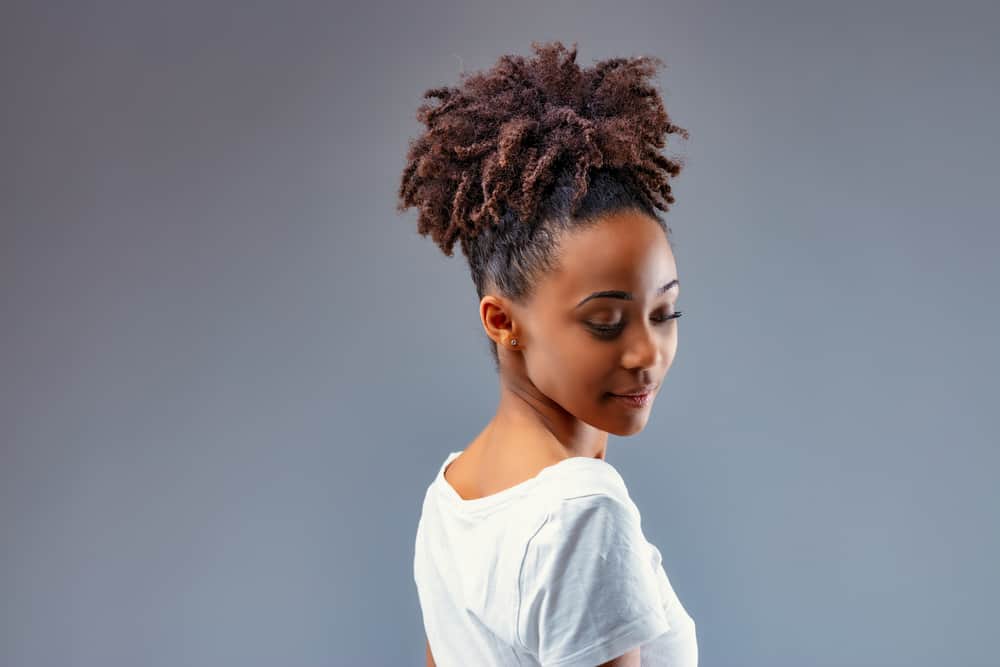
x: 548, y: 175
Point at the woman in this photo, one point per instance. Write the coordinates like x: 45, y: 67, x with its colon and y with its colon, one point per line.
x: 529, y: 549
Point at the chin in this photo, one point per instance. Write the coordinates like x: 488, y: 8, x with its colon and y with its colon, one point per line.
x: 625, y: 421
x: 628, y: 427
x: 632, y: 431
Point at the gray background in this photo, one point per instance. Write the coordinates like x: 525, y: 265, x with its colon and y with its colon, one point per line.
x: 230, y: 368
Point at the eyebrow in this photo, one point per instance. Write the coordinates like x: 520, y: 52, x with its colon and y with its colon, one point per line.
x: 627, y: 296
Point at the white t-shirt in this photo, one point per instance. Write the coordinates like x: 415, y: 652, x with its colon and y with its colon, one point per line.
x: 553, y: 571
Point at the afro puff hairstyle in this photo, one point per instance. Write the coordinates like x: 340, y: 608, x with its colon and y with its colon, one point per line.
x: 531, y: 148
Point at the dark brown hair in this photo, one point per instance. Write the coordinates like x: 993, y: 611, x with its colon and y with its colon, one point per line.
x: 530, y: 149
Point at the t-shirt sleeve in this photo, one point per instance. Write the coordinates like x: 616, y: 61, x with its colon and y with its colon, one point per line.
x: 586, y: 590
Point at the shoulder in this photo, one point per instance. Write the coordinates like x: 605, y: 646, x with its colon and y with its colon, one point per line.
x: 594, y: 520
x: 575, y: 540
x: 586, y: 581
x: 580, y: 477
x: 586, y: 491
x: 584, y: 498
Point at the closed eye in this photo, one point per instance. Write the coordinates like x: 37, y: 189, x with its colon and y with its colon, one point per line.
x: 608, y: 330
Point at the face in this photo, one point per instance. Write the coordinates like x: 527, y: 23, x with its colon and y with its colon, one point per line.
x: 603, y: 323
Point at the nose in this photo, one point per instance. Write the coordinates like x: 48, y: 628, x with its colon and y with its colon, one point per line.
x: 642, y: 349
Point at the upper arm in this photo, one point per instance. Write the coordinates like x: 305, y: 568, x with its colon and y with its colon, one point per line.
x: 628, y: 659
x: 430, y: 658
x: 587, y: 588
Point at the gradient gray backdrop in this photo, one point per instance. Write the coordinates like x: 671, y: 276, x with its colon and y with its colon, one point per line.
x: 230, y: 368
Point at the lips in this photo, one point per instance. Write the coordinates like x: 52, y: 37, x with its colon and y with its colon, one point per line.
x: 637, y: 391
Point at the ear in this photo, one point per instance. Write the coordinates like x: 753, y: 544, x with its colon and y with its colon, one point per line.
x: 496, y: 314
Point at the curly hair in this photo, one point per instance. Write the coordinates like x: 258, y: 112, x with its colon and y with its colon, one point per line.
x: 521, y: 153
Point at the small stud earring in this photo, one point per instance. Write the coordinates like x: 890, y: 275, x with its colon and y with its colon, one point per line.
x: 513, y: 341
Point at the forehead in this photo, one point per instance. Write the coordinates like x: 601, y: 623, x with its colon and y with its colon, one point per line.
x: 627, y: 251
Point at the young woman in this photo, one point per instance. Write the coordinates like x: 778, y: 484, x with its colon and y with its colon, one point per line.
x: 529, y: 549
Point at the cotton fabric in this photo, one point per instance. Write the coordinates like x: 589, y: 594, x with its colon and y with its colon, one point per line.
x: 553, y: 571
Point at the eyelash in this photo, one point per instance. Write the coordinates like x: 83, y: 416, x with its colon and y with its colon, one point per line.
x: 609, y: 331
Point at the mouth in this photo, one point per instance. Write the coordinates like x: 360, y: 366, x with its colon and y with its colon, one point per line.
x: 637, y: 398
x: 634, y: 400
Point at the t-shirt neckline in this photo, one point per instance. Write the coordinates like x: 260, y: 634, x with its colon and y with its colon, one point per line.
x: 494, y: 499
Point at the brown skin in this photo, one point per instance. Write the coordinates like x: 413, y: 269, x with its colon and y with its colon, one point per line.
x: 554, y: 382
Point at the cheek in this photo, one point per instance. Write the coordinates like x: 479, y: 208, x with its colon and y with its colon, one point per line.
x: 670, y: 348
x: 574, y: 371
